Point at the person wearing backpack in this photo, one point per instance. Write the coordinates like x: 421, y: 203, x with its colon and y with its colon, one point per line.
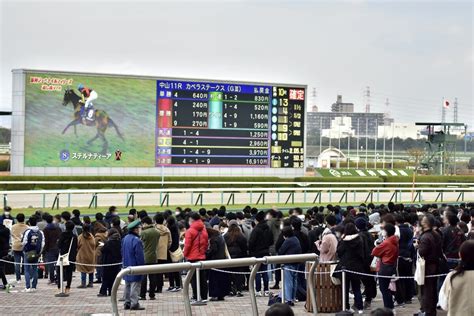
x: 33, y: 244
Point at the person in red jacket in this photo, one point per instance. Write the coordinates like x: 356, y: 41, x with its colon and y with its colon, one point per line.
x: 195, y: 246
x: 387, y: 251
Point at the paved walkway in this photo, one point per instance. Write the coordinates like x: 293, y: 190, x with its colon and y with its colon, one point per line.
x: 85, y: 302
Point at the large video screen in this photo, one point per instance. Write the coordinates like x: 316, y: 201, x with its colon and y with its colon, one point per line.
x: 76, y: 120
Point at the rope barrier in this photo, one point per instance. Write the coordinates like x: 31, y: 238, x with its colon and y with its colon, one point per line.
x: 55, y: 262
x: 97, y: 265
x: 244, y: 273
x: 241, y: 273
x: 368, y: 274
x: 27, y: 264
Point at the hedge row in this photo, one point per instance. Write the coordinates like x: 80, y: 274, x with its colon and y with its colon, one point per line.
x: 383, y: 180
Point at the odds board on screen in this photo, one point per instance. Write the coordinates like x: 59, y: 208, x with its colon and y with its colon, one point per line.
x: 229, y: 124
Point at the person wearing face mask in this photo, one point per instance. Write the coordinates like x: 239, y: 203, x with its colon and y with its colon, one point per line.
x: 7, y: 218
x: 223, y: 228
x: 110, y: 214
x: 178, y: 214
x: 387, y: 251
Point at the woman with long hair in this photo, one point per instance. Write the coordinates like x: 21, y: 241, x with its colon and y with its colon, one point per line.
x: 219, y: 284
x: 86, y: 256
x: 456, y: 293
x: 237, y: 247
x: 67, y: 244
x: 174, y: 277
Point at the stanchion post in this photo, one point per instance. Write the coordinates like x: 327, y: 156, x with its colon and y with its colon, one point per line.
x: 187, y: 280
x: 198, y: 284
x: 61, y: 278
x: 198, y: 288
x: 253, y: 298
x: 283, y: 283
x: 344, y: 307
x: 312, y: 287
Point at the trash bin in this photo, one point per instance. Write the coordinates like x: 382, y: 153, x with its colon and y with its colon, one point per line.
x: 328, y: 295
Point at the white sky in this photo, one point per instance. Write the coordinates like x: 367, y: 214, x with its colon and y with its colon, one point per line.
x: 414, y: 53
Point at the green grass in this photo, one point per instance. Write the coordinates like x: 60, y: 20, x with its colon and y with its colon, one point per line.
x: 129, y: 102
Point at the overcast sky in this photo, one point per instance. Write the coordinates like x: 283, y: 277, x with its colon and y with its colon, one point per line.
x: 413, y: 53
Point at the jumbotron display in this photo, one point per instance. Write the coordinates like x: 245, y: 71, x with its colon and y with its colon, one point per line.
x: 205, y: 124
x: 93, y: 120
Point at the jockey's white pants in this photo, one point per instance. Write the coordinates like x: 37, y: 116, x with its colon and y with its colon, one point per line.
x: 93, y: 96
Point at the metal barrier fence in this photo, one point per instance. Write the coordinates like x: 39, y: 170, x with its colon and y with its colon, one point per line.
x: 191, y: 267
x: 227, y: 263
x: 247, y: 195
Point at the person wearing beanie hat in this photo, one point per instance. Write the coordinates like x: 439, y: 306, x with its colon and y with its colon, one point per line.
x: 260, y: 241
x: 133, y: 255
x: 361, y: 223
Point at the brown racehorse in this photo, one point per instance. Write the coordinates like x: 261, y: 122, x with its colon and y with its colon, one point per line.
x: 101, y: 121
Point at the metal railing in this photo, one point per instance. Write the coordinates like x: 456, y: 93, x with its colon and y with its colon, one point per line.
x: 255, y: 195
x: 216, y: 264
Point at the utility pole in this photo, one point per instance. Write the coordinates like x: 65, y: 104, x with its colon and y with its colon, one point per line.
x: 455, y: 110
x: 443, y: 112
x: 367, y: 100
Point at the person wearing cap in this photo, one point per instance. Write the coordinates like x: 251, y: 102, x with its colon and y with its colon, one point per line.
x: 133, y: 255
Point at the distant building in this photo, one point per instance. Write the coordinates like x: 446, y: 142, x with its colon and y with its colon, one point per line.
x: 400, y: 130
x: 341, y: 127
x: 341, y: 107
x: 362, y: 124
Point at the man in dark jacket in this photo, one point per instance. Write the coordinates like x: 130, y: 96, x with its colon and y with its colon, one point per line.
x: 429, y: 248
x: 370, y: 286
x: 133, y: 255
x: 350, y: 251
x: 111, y: 255
x: 291, y: 246
x: 260, y: 241
x: 51, y: 251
